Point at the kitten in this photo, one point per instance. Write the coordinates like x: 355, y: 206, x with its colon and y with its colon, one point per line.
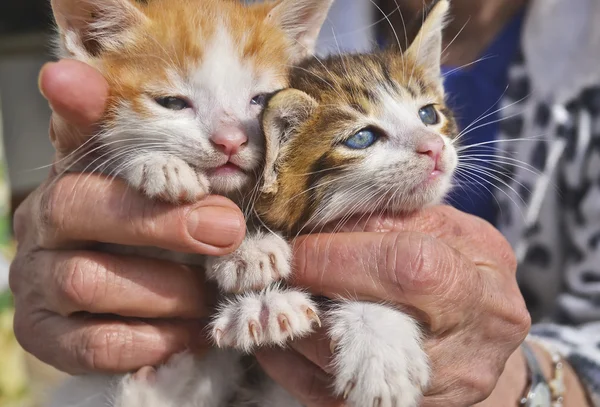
x: 188, y: 80
x: 355, y: 135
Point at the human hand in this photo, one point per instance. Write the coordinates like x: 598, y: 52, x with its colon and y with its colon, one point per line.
x: 81, y: 310
x: 457, y: 274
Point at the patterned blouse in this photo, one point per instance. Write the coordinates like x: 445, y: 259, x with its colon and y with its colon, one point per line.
x: 549, y: 203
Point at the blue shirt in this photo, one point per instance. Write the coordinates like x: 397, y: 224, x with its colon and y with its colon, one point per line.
x: 471, y: 92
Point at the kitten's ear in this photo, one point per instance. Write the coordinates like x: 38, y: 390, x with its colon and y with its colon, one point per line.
x: 284, y: 113
x: 426, y: 47
x: 302, y: 21
x: 87, y: 26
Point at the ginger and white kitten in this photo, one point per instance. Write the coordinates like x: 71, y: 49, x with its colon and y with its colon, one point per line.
x: 355, y: 135
x: 188, y: 80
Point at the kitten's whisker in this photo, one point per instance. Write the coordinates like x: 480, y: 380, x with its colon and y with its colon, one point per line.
x: 490, y: 173
x: 496, y: 186
x: 487, y: 143
x: 509, y: 161
x: 458, y: 68
x: 464, y: 133
x: 389, y: 22
x: 456, y: 36
x: 488, y: 113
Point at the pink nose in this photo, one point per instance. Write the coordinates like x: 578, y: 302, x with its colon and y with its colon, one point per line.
x: 230, y: 139
x: 431, y: 145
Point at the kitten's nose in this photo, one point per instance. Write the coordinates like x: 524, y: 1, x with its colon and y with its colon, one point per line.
x: 431, y: 145
x: 229, y: 139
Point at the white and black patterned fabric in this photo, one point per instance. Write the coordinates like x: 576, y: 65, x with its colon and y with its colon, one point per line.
x: 549, y: 209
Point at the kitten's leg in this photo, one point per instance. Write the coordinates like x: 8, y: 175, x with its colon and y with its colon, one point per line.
x: 259, y: 261
x: 184, y: 381
x: 166, y: 177
x: 263, y: 318
x: 378, y: 359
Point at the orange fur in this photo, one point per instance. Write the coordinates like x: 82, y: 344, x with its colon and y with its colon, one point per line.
x: 173, y: 36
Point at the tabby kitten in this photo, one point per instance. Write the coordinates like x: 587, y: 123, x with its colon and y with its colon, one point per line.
x: 354, y: 135
x: 188, y: 80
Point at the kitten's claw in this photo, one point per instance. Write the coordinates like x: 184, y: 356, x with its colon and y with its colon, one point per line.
x: 217, y: 335
x: 254, y: 328
x: 333, y: 346
x: 312, y: 315
x: 268, y: 318
x: 377, y: 402
x: 258, y: 262
x: 349, y: 387
x: 167, y: 178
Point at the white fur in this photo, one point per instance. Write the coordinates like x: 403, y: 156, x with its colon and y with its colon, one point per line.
x: 185, y: 381
x: 260, y: 260
x: 378, y: 359
x: 271, y: 317
x: 168, y: 154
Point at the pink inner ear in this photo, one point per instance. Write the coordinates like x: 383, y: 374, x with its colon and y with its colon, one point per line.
x: 94, y: 20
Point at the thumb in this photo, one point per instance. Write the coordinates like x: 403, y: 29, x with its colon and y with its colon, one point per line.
x: 77, y: 94
x: 409, y: 269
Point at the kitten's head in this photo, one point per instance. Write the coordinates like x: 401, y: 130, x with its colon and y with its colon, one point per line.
x: 188, y: 78
x: 359, y: 134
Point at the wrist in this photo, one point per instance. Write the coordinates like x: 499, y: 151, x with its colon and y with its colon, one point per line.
x: 575, y: 394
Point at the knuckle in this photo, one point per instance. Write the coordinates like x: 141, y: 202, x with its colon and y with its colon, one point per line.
x: 49, y: 214
x: 103, y: 347
x: 22, y: 329
x: 480, y: 384
x: 415, y: 265
x: 78, y: 281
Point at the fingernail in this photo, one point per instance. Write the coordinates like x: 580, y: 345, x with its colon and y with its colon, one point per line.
x: 40, y: 87
x: 216, y: 226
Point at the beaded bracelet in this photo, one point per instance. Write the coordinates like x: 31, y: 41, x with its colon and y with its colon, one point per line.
x: 557, y: 381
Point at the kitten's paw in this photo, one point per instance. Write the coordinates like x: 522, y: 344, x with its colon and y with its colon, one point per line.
x: 378, y: 360
x: 268, y: 318
x: 168, y: 178
x: 258, y: 262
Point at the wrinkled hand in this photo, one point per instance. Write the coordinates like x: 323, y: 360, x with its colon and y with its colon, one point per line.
x: 65, y: 293
x: 454, y: 271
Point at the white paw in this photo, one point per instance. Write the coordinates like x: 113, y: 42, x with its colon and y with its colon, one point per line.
x: 258, y: 262
x: 168, y: 178
x: 267, y: 318
x: 378, y: 360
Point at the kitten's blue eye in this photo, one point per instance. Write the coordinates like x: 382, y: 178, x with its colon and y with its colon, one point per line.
x: 361, y: 140
x: 173, y: 103
x: 259, y: 100
x: 429, y: 115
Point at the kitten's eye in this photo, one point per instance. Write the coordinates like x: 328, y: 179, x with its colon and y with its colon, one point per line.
x: 173, y: 103
x: 429, y: 115
x: 259, y: 100
x: 363, y: 139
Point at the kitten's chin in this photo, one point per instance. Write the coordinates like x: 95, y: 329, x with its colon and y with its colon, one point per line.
x: 227, y: 182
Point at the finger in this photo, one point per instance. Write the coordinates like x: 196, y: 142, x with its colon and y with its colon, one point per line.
x: 77, y: 94
x: 81, y: 345
x: 403, y: 268
x: 91, y: 208
x: 455, y: 228
x: 303, y: 380
x: 317, y: 349
x: 100, y: 283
